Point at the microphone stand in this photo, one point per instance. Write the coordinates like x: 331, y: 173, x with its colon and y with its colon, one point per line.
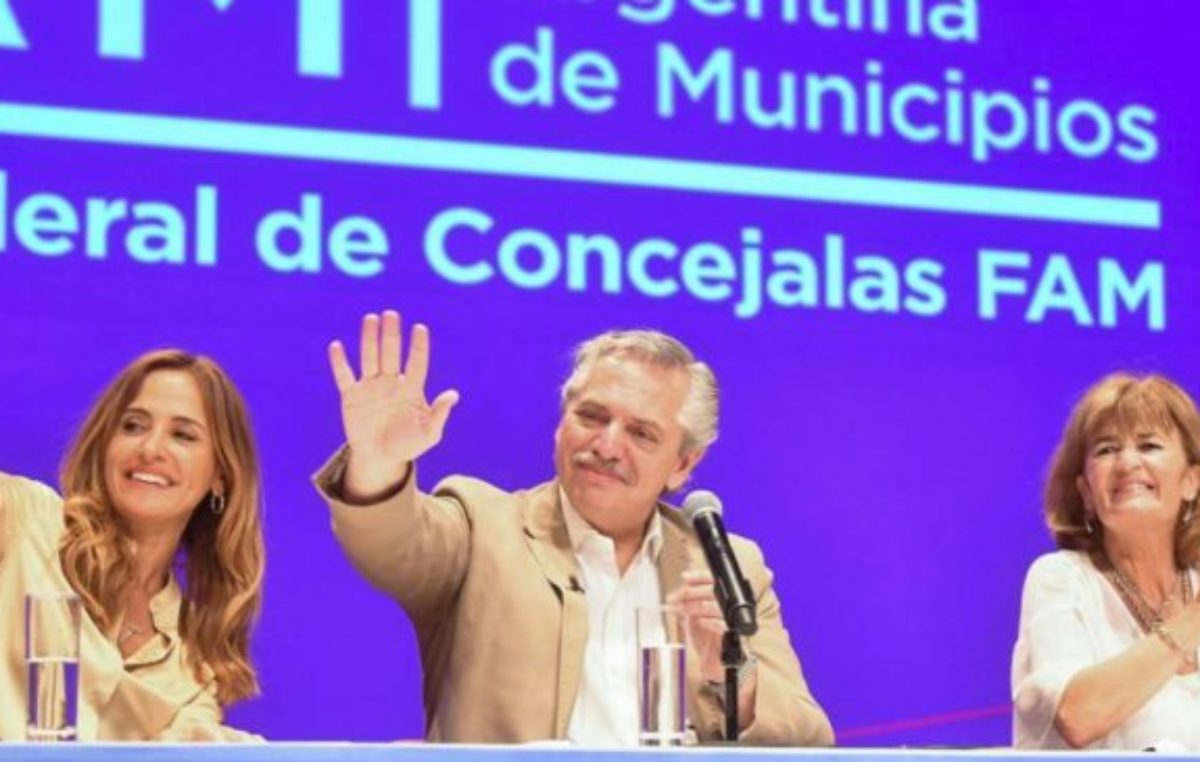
x: 732, y: 656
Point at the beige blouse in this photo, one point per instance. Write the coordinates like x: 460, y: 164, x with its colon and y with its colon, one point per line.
x: 149, y: 695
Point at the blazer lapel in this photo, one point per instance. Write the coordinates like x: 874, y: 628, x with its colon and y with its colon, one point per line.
x: 546, y: 533
x: 675, y: 557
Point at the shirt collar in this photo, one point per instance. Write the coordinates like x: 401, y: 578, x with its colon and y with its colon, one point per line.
x: 581, y: 532
x: 164, y: 612
x: 164, y: 605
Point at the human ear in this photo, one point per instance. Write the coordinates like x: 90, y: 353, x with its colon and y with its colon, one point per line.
x: 687, y: 462
x: 1191, y: 483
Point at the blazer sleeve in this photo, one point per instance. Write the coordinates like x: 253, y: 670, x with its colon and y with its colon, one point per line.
x: 410, y: 545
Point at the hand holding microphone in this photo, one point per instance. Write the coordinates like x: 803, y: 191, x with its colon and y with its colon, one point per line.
x: 736, y: 602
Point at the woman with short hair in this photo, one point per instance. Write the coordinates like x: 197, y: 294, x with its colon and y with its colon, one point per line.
x: 1106, y: 656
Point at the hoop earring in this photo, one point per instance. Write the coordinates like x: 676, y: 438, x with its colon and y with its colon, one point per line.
x: 216, y: 503
x: 1088, y: 525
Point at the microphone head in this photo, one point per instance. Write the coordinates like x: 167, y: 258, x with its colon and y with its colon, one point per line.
x: 699, y: 502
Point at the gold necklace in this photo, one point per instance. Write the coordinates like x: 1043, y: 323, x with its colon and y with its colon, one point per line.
x: 1150, y: 618
x: 1139, y: 606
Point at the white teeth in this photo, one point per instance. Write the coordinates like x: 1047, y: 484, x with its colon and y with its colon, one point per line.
x: 1133, y: 488
x: 145, y: 478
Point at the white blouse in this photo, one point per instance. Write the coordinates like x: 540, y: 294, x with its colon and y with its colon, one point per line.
x: 1072, y: 618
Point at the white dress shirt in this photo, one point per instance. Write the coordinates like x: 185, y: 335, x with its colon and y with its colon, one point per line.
x: 606, y: 709
x: 1072, y: 618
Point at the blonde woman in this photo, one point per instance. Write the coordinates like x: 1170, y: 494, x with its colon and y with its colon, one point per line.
x: 158, y: 533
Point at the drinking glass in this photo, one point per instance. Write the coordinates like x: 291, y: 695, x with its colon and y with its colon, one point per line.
x: 662, y: 675
x: 52, y: 624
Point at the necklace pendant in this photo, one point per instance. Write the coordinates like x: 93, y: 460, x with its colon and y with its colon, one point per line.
x: 128, y: 631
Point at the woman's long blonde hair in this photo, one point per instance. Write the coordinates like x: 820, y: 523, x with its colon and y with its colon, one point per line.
x: 221, y: 555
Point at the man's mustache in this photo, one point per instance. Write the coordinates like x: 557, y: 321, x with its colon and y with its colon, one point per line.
x: 594, y: 462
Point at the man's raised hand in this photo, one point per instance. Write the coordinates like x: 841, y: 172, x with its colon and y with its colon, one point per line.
x: 386, y: 416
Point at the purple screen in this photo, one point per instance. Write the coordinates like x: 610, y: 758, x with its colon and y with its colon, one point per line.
x: 905, y: 234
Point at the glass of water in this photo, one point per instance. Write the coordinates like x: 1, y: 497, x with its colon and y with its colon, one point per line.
x: 662, y: 675
x: 52, y: 623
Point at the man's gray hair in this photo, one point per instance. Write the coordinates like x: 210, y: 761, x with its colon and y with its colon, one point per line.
x: 698, y: 414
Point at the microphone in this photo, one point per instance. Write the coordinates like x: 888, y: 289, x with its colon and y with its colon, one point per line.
x: 703, y: 509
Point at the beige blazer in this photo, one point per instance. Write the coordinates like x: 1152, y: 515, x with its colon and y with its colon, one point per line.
x: 151, y: 694
x: 489, y: 580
